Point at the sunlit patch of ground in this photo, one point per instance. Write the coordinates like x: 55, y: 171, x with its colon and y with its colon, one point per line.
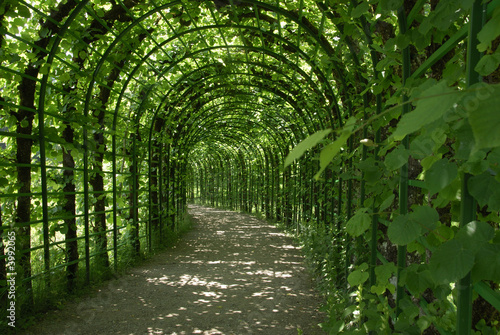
x: 232, y: 274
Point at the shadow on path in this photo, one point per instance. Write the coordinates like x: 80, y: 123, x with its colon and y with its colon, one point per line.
x: 231, y: 274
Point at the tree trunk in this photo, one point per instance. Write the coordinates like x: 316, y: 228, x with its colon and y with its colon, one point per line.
x: 25, y: 118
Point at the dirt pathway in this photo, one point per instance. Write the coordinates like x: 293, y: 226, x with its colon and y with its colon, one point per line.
x: 231, y: 274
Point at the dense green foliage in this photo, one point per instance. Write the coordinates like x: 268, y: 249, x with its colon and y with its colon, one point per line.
x: 368, y: 128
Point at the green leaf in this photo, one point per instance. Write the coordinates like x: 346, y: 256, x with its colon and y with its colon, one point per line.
x: 488, y: 63
x: 63, y: 229
x: 65, y: 77
x: 440, y: 175
x: 481, y: 105
x: 487, y: 265
x: 328, y: 153
x: 371, y: 170
x: 431, y: 105
x: 422, y: 146
x: 475, y: 235
x: 450, y: 262
x: 349, y: 310
x: 425, y: 217
x: 387, y: 202
x: 403, y: 230
x: 442, y: 233
x: 45, y: 32
x: 305, y: 145
x: 486, y: 190
x: 4, y: 182
x: 23, y: 11
x: 489, y: 32
x: 416, y: 247
x: 45, y: 68
x: 359, y: 223
x: 384, y: 272
x: 331, y: 150
x: 423, y: 323
x: 396, y: 158
x: 362, y: 8
x: 390, y: 4
x: 357, y: 277
x: 418, y: 278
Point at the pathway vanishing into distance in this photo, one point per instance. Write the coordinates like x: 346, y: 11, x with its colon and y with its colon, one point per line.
x: 231, y: 274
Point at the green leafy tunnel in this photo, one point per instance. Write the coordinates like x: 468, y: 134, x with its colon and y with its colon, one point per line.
x: 367, y: 125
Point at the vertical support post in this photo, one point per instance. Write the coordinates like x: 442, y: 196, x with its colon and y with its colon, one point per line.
x: 86, y: 194
x: 115, y: 217
x: 348, y: 239
x: 294, y: 199
x: 135, y: 176
x: 403, y: 182
x: 273, y: 185
x: 160, y: 192
x: 250, y: 188
x: 169, y: 188
x: 150, y: 195
x: 468, y: 203
x: 45, y: 212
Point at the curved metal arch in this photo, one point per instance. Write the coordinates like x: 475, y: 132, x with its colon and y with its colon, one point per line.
x: 202, y: 50
x: 189, y: 55
x: 235, y: 139
x: 285, y: 144
x: 236, y: 125
x: 297, y: 137
x: 233, y: 156
x: 279, y: 93
x: 195, y: 84
x: 292, y: 17
x: 181, y: 80
x: 231, y: 150
x: 125, y: 86
x: 235, y: 92
x: 268, y: 88
x: 172, y: 3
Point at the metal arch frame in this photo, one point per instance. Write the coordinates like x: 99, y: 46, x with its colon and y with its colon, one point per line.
x: 181, y: 80
x: 186, y: 56
x: 236, y: 152
x: 278, y: 93
x: 234, y: 93
x: 297, y: 137
x: 237, y: 125
x: 256, y: 64
x: 264, y: 87
x: 137, y: 21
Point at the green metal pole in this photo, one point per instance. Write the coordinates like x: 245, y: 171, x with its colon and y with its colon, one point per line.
x: 150, y: 194
x: 134, y: 190
x: 468, y: 203
x: 115, y: 225
x: 160, y: 192
x: 403, y: 181
x: 43, y: 174
x: 348, y: 239
x: 86, y: 203
x: 294, y: 199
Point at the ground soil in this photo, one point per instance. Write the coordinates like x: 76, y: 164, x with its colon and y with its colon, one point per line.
x: 231, y: 274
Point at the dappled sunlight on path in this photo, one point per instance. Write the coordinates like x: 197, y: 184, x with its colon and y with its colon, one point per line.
x: 232, y: 274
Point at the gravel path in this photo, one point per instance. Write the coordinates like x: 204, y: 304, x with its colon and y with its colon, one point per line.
x: 231, y: 274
